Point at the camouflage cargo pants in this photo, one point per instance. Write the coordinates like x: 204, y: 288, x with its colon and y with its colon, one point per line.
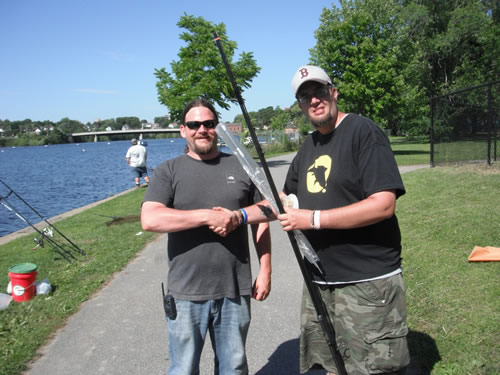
x: 369, y: 319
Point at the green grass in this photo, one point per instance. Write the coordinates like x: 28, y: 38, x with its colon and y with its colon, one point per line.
x: 406, y: 152
x: 453, y: 305
x: 459, y: 151
x: 410, y: 152
x: 26, y: 326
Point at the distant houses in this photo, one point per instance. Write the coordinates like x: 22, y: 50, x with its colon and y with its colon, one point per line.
x: 234, y: 128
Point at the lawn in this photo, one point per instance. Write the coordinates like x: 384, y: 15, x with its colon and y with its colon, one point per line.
x: 26, y: 326
x: 453, y: 304
x: 410, y: 152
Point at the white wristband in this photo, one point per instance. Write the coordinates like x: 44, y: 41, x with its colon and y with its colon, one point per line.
x: 317, y: 224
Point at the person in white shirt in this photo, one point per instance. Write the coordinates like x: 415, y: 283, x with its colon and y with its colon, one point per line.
x: 136, y: 158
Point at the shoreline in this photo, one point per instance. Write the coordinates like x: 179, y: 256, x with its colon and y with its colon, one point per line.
x: 41, y: 224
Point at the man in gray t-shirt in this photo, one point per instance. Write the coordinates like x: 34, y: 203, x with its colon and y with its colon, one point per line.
x: 197, y: 198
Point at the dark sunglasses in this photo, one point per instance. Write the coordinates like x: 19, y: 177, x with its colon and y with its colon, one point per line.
x: 195, y: 125
x: 321, y: 92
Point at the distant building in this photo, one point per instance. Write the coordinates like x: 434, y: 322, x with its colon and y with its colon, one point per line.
x: 291, y: 131
x: 234, y: 128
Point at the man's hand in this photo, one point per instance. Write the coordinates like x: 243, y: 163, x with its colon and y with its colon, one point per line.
x: 262, y: 286
x: 295, y: 219
x: 225, y: 221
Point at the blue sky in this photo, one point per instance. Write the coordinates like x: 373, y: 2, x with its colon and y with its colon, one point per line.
x: 96, y: 58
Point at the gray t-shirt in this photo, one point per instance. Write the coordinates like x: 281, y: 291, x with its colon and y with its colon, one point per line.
x: 203, y: 265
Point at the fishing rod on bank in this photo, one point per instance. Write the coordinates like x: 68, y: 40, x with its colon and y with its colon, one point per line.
x: 46, y: 234
x: 75, y: 247
x: 304, y: 264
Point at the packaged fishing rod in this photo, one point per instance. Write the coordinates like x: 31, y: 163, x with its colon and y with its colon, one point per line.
x: 305, y: 266
x: 258, y: 177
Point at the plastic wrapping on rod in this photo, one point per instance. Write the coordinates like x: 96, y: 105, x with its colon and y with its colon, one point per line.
x: 249, y: 165
x: 258, y: 177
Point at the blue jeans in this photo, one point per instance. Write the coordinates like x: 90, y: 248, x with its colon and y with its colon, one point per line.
x: 227, y: 321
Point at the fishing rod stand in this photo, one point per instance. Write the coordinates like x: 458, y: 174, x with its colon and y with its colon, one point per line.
x: 65, y: 248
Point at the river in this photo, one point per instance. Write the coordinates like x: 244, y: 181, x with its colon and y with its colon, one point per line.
x: 57, y: 178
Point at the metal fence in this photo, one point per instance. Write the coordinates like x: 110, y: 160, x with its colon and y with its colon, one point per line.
x: 465, y: 125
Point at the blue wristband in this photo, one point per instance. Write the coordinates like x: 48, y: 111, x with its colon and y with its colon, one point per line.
x: 245, y: 216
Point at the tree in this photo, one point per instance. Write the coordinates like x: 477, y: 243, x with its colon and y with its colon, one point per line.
x: 264, y: 116
x: 451, y: 45
x: 387, y: 58
x: 162, y: 121
x: 299, y: 119
x: 458, y: 43
x: 55, y: 137
x: 200, y: 72
x: 357, y: 46
x: 131, y: 122
x: 68, y: 126
x: 280, y: 119
x: 108, y: 123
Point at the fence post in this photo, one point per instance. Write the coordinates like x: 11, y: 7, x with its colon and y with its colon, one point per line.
x: 490, y: 125
x: 432, y: 132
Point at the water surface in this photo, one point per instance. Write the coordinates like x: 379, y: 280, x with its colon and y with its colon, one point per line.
x: 58, y: 178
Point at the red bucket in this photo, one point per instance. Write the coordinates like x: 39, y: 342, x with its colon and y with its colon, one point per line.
x: 23, y: 277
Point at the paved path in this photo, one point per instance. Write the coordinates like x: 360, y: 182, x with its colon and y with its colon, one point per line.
x: 121, y: 329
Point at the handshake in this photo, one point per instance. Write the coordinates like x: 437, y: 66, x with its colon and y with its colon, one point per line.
x: 224, y: 221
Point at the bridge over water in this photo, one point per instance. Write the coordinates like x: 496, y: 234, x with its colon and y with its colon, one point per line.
x: 139, y: 132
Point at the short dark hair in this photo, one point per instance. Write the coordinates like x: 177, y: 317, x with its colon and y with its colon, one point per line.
x: 199, y: 102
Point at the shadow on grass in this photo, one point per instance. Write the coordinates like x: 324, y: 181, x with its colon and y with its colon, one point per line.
x: 411, y: 152
x: 273, y: 163
x: 423, y: 352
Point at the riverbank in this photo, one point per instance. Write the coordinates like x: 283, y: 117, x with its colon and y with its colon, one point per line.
x: 40, y: 225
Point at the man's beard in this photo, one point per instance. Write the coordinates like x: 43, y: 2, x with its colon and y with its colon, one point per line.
x: 205, y: 149
x: 324, y: 122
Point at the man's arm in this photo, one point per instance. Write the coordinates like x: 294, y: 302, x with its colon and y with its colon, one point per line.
x: 156, y: 217
x: 261, y: 212
x: 371, y: 210
x: 255, y: 214
x: 262, y: 240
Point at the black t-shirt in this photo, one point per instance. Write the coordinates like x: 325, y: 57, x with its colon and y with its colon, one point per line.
x: 340, y: 168
x: 203, y: 265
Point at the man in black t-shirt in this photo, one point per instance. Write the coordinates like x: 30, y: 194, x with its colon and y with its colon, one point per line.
x: 347, y: 182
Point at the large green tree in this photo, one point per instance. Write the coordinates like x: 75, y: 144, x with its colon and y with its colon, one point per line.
x: 200, y: 72
x: 357, y: 45
x: 458, y: 44
x: 388, y: 58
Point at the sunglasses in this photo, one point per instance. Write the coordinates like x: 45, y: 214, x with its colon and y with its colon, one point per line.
x: 195, y: 125
x: 321, y: 92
